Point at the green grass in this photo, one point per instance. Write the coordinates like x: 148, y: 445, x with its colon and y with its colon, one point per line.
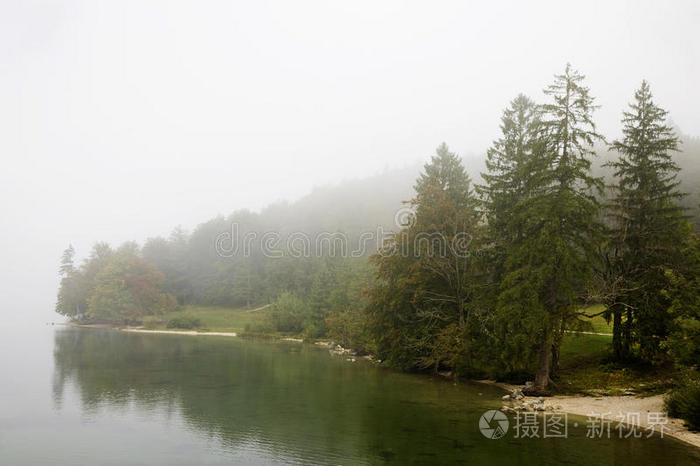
x: 219, y: 319
x: 584, y: 347
x: 586, y: 364
x: 586, y: 367
x: 597, y: 324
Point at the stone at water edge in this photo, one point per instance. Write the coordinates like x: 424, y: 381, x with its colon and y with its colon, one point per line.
x: 517, y: 394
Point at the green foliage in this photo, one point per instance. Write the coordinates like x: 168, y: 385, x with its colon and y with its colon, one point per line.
x: 422, y: 304
x: 127, y: 289
x: 287, y: 314
x: 509, y: 181
x: 170, y: 257
x: 541, y: 195
x: 648, y: 229
x: 114, y: 286
x: 152, y: 322
x: 344, y: 311
x: 184, y: 322
x: 683, y: 294
x: 684, y: 401
x: 71, y: 300
x: 478, y: 286
x: 508, y: 163
x: 67, y: 267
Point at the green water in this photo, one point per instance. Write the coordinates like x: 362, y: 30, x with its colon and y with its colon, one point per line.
x: 84, y: 396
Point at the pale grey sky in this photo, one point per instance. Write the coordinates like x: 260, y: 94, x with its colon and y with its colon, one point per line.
x: 123, y: 119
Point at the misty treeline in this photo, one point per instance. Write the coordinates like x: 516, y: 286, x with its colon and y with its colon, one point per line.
x: 561, y: 219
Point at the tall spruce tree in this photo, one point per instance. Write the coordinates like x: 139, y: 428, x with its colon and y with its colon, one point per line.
x: 549, y: 263
x: 508, y: 182
x: 422, y: 304
x: 507, y: 178
x: 648, y: 227
x: 70, y: 300
x: 67, y: 266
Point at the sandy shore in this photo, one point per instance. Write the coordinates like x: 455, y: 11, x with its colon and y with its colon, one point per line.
x: 180, y: 332
x: 613, y: 407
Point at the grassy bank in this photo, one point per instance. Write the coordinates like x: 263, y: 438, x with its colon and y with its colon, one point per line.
x: 586, y: 366
x: 216, y: 319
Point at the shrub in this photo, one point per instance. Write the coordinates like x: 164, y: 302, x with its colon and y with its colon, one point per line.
x: 311, y: 331
x: 187, y: 322
x: 287, y: 314
x: 151, y: 322
x: 684, y: 401
x: 260, y: 327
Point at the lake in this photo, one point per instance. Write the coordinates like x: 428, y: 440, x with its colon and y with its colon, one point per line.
x: 87, y: 396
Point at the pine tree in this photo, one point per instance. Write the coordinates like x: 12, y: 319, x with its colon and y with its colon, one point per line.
x: 421, y: 305
x: 446, y: 208
x: 67, y: 267
x: 548, y: 265
x: 71, y: 299
x: 648, y: 226
x: 509, y: 165
x: 445, y: 172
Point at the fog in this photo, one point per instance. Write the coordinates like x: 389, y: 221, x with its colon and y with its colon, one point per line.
x: 122, y: 120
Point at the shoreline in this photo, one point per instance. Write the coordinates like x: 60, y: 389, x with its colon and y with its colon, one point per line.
x: 612, y: 406
x: 578, y: 405
x: 143, y: 330
x: 179, y: 332
x: 585, y: 405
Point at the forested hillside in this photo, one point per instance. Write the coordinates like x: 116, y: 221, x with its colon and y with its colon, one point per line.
x: 192, y: 270
x: 429, y: 269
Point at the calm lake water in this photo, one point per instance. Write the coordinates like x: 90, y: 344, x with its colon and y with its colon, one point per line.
x: 84, y: 396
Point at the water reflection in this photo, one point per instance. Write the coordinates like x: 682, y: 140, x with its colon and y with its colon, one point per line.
x: 262, y: 402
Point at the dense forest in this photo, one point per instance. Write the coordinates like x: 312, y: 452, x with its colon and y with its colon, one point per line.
x: 481, y: 276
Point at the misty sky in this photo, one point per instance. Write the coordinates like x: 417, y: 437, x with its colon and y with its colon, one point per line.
x: 121, y: 119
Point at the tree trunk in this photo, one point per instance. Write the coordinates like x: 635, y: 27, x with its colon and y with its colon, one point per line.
x: 627, y: 334
x: 543, y: 364
x: 556, y: 346
x: 555, y: 361
x: 617, y: 335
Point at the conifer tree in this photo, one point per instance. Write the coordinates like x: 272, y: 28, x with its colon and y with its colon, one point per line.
x: 67, y: 266
x: 509, y: 165
x: 422, y: 303
x: 649, y: 226
x: 70, y: 300
x: 548, y: 265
